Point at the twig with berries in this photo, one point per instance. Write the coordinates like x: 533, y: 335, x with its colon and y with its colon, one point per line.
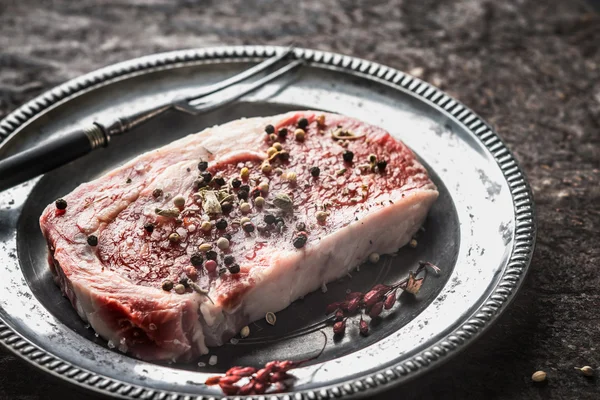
x: 272, y: 378
x: 377, y: 299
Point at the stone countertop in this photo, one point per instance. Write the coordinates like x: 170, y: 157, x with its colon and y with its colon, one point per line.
x: 530, y: 68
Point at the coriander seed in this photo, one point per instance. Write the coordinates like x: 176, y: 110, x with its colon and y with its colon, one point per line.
x: 299, y: 134
x: 271, y: 151
x: 259, y: 201
x: 222, y: 243
x: 174, y: 237
x: 179, y: 201
x: 244, y: 173
x: 374, y: 258
x: 206, y: 226
x: 179, y: 288
x: 245, y: 207
x: 266, y: 168
x: 321, y: 216
x: 277, y: 146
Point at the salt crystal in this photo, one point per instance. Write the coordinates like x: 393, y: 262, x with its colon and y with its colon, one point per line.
x: 212, y: 360
x: 110, y: 344
x: 201, y: 364
x: 192, y: 228
x: 234, y: 341
x: 152, y: 327
x: 324, y: 288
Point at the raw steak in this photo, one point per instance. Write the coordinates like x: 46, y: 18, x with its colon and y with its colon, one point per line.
x: 370, y: 195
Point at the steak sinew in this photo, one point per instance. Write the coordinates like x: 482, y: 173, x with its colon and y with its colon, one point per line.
x: 117, y: 285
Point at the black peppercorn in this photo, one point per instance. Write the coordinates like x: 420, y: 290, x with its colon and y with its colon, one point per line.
x: 242, y: 195
x: 128, y: 180
x: 196, y: 259
x: 381, y: 164
x: 211, y: 255
x: 149, y: 227
x: 348, y: 156
x: 245, y: 187
x: 227, y: 236
x: 284, y: 155
x: 206, y: 176
x: 234, y: 269
x: 156, y: 193
x: 92, y: 240
x: 302, y: 123
x: 226, y: 207
x: 315, y: 171
x: 282, y: 133
x: 270, y: 219
x: 269, y: 129
x: 219, y: 180
x: 300, y: 240
x: 236, y: 183
x: 199, y: 183
x: 221, y: 224
x: 255, y: 193
x: 167, y: 285
x: 279, y: 220
x: 202, y: 166
x: 185, y: 282
x: 228, y: 259
x: 248, y: 227
x: 301, y: 226
x: 61, y: 204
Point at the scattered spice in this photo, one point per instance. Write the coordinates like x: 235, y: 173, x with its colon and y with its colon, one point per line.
x: 206, y: 226
x: 196, y: 259
x: 300, y: 240
x: 321, y: 216
x: 167, y: 285
x: 302, y: 123
x: 374, y: 258
x: 234, y: 269
x: 167, y: 212
x: 223, y: 243
x: 586, y: 371
x: 203, y: 166
x: 204, y: 247
x: 210, y: 265
x: 299, y: 134
x: 174, y: 237
x: 348, y: 156
x: 92, y: 240
x: 156, y: 193
x: 282, y: 133
x: 539, y: 376
x: 179, y: 288
x: 245, y: 207
x: 271, y: 318
x: 149, y: 227
x: 269, y: 129
x: 179, y: 201
x: 248, y: 227
x: 61, y: 204
x: 259, y: 201
x: 244, y: 173
x: 244, y: 333
x: 315, y: 171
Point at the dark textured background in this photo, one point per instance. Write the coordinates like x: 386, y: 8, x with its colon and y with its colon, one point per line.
x: 531, y: 68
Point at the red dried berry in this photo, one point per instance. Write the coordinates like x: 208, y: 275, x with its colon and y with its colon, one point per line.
x: 241, y: 371
x: 354, y: 295
x: 229, y: 390
x: 263, y: 375
x: 372, y: 297
x: 332, y: 307
x: 339, y: 327
x: 246, y: 389
x: 284, y: 366
x: 213, y: 380
x: 229, y: 380
x: 339, y: 315
x: 390, y: 301
x: 354, y: 304
x: 363, y: 327
x: 382, y: 288
x: 344, y: 305
x: 376, y: 309
x: 280, y: 376
x: 260, y: 388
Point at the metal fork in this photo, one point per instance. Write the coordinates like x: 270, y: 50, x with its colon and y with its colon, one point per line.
x: 48, y: 156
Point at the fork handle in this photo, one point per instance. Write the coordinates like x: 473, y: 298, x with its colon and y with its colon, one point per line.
x: 45, y: 157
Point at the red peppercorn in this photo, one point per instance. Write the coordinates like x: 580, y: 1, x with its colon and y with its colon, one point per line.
x: 390, y: 301
x: 241, y: 371
x: 376, y: 309
x: 282, y: 366
x: 247, y: 388
x: 263, y: 375
x: 363, y: 327
x: 353, y: 305
x: 339, y: 328
x: 372, y: 297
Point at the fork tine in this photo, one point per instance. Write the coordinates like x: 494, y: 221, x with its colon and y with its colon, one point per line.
x: 242, y: 75
x: 197, y: 107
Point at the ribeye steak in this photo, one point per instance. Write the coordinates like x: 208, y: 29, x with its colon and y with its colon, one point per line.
x: 181, y: 247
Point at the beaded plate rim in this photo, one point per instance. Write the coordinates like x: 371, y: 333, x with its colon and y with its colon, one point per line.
x: 499, y: 298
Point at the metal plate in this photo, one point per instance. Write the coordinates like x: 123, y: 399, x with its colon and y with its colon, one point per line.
x: 481, y: 231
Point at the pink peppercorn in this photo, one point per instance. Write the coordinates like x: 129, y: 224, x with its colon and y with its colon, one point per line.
x: 210, y: 265
x: 191, y: 272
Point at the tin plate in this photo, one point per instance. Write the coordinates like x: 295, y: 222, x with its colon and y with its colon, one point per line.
x: 481, y: 231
